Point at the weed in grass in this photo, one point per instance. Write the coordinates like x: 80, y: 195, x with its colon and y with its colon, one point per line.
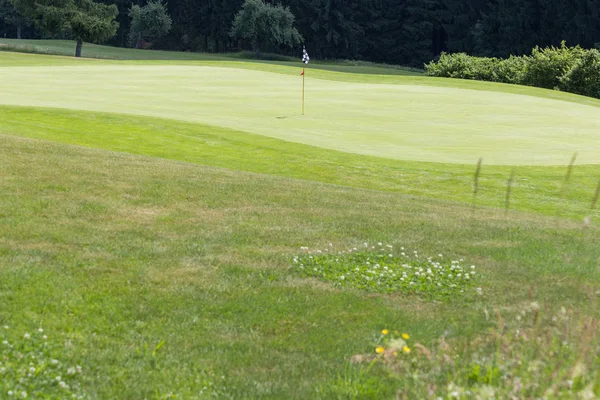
x: 28, y: 368
x: 533, y: 354
x: 377, y: 269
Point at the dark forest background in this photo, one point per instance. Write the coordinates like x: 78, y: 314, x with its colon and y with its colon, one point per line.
x: 406, y: 32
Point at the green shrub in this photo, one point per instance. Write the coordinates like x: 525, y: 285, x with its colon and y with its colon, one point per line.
x: 570, y: 69
x: 510, y: 70
x: 584, y: 77
x: 545, y: 67
x: 458, y: 65
x: 463, y: 66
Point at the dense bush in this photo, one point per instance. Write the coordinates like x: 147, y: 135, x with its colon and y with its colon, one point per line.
x: 584, y: 77
x: 545, y: 67
x: 570, y: 69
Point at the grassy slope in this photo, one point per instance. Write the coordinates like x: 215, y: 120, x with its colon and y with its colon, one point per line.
x: 536, y: 189
x: 113, y: 252
x: 405, y: 122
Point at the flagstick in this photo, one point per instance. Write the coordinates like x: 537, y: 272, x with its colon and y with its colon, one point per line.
x: 303, y: 75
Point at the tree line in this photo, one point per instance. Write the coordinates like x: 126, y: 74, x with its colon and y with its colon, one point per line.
x: 407, y: 32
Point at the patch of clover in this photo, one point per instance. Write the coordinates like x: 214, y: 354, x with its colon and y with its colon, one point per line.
x: 29, y: 369
x: 379, y: 268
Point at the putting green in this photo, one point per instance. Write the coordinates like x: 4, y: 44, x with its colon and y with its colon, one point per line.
x: 408, y: 121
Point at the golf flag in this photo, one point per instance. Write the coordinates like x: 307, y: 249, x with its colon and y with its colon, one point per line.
x: 305, y: 57
x: 305, y: 60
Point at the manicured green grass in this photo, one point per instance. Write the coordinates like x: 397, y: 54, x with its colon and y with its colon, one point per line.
x: 409, y: 121
x: 157, y: 254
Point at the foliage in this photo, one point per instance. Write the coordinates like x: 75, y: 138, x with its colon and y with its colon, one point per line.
x: 29, y: 369
x: 376, y: 269
x: 584, y: 76
x: 265, y: 25
x: 533, y: 355
x: 571, y: 69
x: 149, y: 22
x: 85, y: 20
x: 11, y: 16
x: 545, y: 67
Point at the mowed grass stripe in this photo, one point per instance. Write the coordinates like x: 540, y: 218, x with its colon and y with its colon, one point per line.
x: 537, y: 189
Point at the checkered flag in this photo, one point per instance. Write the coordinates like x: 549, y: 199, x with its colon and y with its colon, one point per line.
x: 305, y: 57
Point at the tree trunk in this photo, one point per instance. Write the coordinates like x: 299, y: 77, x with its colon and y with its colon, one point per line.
x: 138, y: 45
x: 78, y: 48
x: 18, y: 31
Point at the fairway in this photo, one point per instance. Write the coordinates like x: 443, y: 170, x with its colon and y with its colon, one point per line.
x: 404, y: 121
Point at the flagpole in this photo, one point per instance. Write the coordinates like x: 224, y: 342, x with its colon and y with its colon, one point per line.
x: 303, y: 76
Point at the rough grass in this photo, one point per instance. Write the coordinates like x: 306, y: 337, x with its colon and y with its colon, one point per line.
x: 112, y: 253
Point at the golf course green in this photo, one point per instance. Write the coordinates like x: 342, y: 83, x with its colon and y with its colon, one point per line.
x: 403, y: 121
x: 153, y: 212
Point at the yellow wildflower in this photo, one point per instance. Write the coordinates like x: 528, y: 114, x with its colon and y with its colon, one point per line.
x: 379, y: 350
x: 406, y: 349
x: 385, y: 331
x: 395, y: 354
x: 405, y: 336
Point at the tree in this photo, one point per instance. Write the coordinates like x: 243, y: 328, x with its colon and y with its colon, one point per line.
x: 265, y: 25
x: 11, y: 16
x: 149, y: 22
x: 85, y: 20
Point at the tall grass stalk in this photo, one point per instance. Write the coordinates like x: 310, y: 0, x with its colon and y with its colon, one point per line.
x: 565, y: 184
x: 476, y: 181
x: 596, y: 195
x: 569, y: 172
x: 508, y: 191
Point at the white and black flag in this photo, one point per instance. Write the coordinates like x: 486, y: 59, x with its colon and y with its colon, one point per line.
x: 305, y: 57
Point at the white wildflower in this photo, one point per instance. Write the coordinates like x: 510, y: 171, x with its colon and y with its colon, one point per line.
x: 26, y: 336
x: 479, y: 291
